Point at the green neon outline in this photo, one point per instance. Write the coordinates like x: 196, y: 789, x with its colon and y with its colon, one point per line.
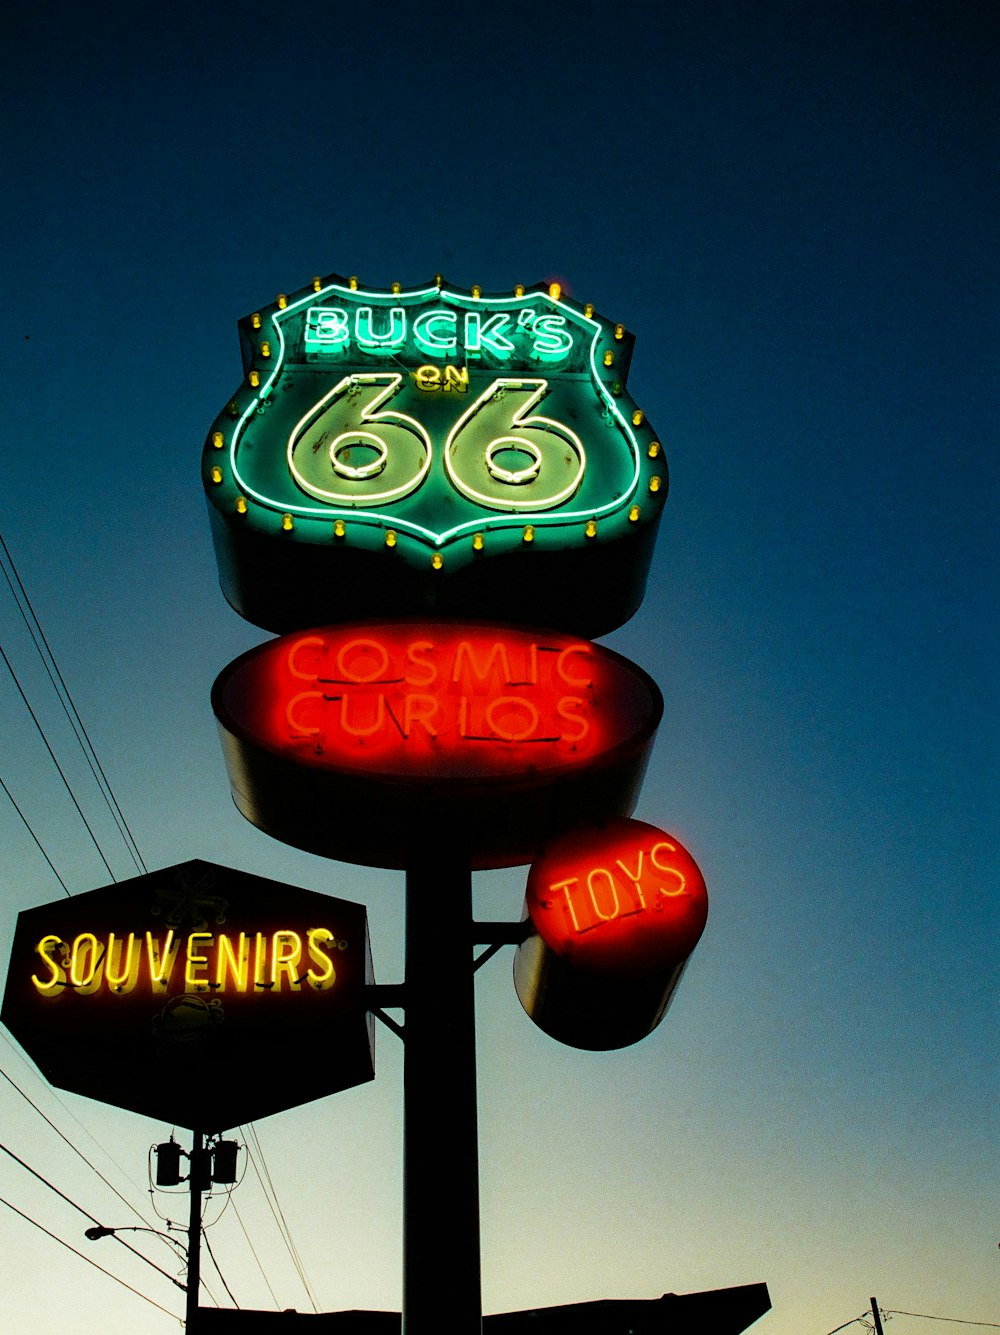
x: 392, y: 381
x: 373, y: 342
x: 444, y: 345
x: 463, y: 302
x: 559, y: 429
x: 311, y: 330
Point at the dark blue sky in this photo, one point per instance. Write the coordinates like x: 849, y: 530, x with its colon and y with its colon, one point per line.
x: 793, y: 207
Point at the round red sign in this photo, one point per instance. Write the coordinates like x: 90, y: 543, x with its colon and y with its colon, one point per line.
x: 624, y: 898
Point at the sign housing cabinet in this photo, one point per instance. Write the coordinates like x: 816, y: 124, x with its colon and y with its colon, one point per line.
x: 433, y: 451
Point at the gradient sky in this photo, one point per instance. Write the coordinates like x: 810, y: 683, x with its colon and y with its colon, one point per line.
x: 793, y: 206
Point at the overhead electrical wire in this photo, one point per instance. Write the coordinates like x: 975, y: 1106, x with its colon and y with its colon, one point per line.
x: 253, y: 1249
x: 44, y: 649
x: 52, y: 755
x: 69, y: 1247
x: 208, y: 1245
x: 76, y: 1150
x: 38, y: 843
x: 87, y: 1215
x: 271, y: 1196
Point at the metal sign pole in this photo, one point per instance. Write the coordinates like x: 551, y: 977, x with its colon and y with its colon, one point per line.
x: 441, y: 1268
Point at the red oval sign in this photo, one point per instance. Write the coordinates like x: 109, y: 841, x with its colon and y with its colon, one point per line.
x: 360, y: 741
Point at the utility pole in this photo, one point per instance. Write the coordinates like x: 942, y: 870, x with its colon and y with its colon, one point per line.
x: 196, y: 1181
x: 876, y: 1318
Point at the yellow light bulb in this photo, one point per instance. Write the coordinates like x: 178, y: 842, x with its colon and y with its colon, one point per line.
x: 588, y: 310
x: 655, y: 482
x: 352, y: 283
x: 397, y: 288
x: 254, y: 378
x: 216, y: 475
x: 619, y: 331
x: 439, y: 280
x: 654, y: 449
x: 591, y: 530
x: 609, y: 358
x: 339, y: 528
x: 529, y: 533
x: 390, y: 537
x: 317, y: 284
x: 287, y: 523
x: 241, y: 505
x: 519, y: 290
x: 633, y: 514
x: 437, y: 561
x: 255, y: 319
x: 555, y: 291
x: 478, y: 542
x: 477, y: 291
x: 265, y: 349
x: 638, y: 417
x: 217, y: 440
x: 282, y: 301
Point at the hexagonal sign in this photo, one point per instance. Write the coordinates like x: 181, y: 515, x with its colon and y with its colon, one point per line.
x: 198, y: 995
x: 433, y: 451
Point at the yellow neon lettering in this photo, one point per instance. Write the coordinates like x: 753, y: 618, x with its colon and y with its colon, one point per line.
x: 85, y: 947
x: 194, y: 961
x: 427, y: 377
x: 260, y: 961
x: 367, y: 649
x: 421, y: 709
x: 466, y: 651
x: 293, y: 653
x: 456, y: 378
x: 58, y: 979
x: 286, y: 951
x: 501, y: 707
x: 161, y: 966
x: 429, y: 670
x: 564, y: 708
x: 117, y: 978
x: 324, y: 975
x: 234, y: 963
x: 671, y: 871
x: 561, y: 665
x: 295, y: 727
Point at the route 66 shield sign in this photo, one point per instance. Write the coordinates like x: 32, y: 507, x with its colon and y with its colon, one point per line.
x: 433, y: 451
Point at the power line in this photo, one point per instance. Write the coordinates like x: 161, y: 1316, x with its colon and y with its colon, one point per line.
x: 208, y: 1245
x: 898, y: 1311
x: 250, y: 1132
x: 55, y: 1238
x: 27, y: 826
x: 76, y: 1150
x: 51, y: 1186
x: 253, y: 1249
x: 52, y: 754
x: 44, y: 650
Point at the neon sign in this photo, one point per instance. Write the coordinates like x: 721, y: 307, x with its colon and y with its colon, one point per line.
x: 214, y: 962
x: 414, y: 721
x: 615, y: 913
x: 181, y: 994
x: 404, y: 438
x: 625, y: 898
